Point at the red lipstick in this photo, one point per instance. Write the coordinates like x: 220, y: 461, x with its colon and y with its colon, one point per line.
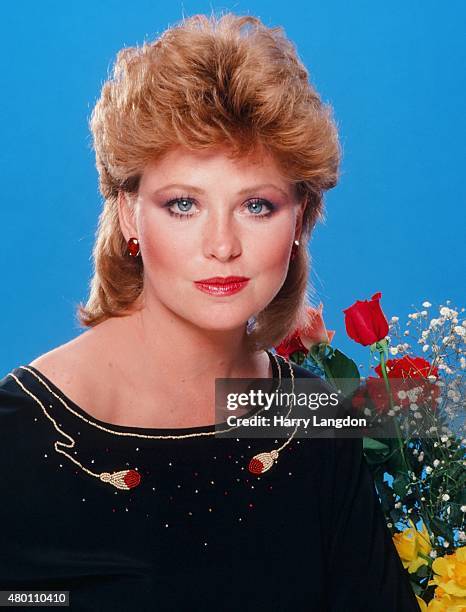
x: 220, y: 286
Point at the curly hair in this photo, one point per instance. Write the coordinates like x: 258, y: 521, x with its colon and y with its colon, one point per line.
x: 205, y: 82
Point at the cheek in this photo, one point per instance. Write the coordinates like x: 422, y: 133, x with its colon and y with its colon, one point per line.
x: 163, y: 249
x: 271, y: 251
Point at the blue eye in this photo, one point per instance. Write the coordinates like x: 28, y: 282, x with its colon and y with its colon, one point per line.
x: 184, y: 202
x: 256, y: 206
x: 183, y: 205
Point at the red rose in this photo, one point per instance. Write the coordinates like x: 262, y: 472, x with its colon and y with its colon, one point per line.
x: 408, y: 367
x: 407, y: 374
x: 365, y: 322
x: 378, y: 393
x: 359, y: 398
x: 373, y: 389
x: 290, y: 345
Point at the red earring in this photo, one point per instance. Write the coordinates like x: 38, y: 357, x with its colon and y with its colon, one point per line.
x: 294, y: 250
x: 133, y: 247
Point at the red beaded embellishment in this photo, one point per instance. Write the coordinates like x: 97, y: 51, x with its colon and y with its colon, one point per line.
x: 262, y: 462
x: 125, y: 479
x: 132, y: 479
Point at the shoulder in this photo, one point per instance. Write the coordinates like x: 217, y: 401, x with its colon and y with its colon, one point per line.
x: 68, y: 367
x: 74, y: 365
x: 57, y: 363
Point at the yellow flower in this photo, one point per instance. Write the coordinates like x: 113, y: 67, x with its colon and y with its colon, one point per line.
x: 409, y: 543
x: 446, y: 603
x: 422, y: 604
x: 450, y: 575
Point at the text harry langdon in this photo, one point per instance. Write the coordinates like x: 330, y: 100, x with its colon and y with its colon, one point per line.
x: 281, y: 421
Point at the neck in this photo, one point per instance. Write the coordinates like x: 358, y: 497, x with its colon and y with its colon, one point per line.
x: 174, y: 346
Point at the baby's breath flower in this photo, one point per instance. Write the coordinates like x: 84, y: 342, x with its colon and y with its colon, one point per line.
x: 445, y: 497
x: 429, y: 469
x: 426, y: 304
x: 425, y: 348
x: 436, y: 463
x: 448, y: 312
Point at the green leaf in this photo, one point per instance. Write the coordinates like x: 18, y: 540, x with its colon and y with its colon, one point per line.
x: 423, y: 571
x: 401, y: 484
x: 298, y: 357
x: 441, y: 528
x: 342, y: 366
x: 338, y: 365
x: 375, y: 445
x: 416, y: 588
x: 375, y: 452
x: 396, y: 514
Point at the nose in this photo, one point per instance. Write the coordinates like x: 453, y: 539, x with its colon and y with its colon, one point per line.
x: 221, y: 239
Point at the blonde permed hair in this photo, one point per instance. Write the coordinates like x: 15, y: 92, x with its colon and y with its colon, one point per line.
x: 208, y: 81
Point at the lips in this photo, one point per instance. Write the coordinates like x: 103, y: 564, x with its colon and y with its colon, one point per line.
x: 222, y: 286
x: 222, y: 280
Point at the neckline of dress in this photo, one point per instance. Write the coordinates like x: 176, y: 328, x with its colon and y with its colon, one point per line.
x: 40, y: 383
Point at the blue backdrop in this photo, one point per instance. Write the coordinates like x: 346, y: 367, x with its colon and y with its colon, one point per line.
x: 394, y: 73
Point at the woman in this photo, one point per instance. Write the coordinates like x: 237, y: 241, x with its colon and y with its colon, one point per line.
x: 213, y: 152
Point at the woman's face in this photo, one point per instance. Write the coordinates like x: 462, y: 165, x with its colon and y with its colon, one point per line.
x: 201, y: 215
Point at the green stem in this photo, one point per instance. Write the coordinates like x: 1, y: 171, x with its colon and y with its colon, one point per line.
x: 383, y: 367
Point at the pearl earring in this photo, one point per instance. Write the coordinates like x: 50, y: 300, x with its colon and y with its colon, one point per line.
x: 294, y: 249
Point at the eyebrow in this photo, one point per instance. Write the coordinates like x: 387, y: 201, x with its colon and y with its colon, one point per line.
x: 202, y: 191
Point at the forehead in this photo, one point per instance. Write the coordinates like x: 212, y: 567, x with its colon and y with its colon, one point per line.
x: 181, y: 165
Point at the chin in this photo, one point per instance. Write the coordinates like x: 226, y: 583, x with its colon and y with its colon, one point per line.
x: 222, y: 326
x: 219, y: 321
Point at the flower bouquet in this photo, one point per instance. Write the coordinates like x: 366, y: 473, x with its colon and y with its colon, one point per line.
x: 419, y: 470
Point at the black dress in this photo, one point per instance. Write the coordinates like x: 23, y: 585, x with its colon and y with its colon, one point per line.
x: 199, y: 532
